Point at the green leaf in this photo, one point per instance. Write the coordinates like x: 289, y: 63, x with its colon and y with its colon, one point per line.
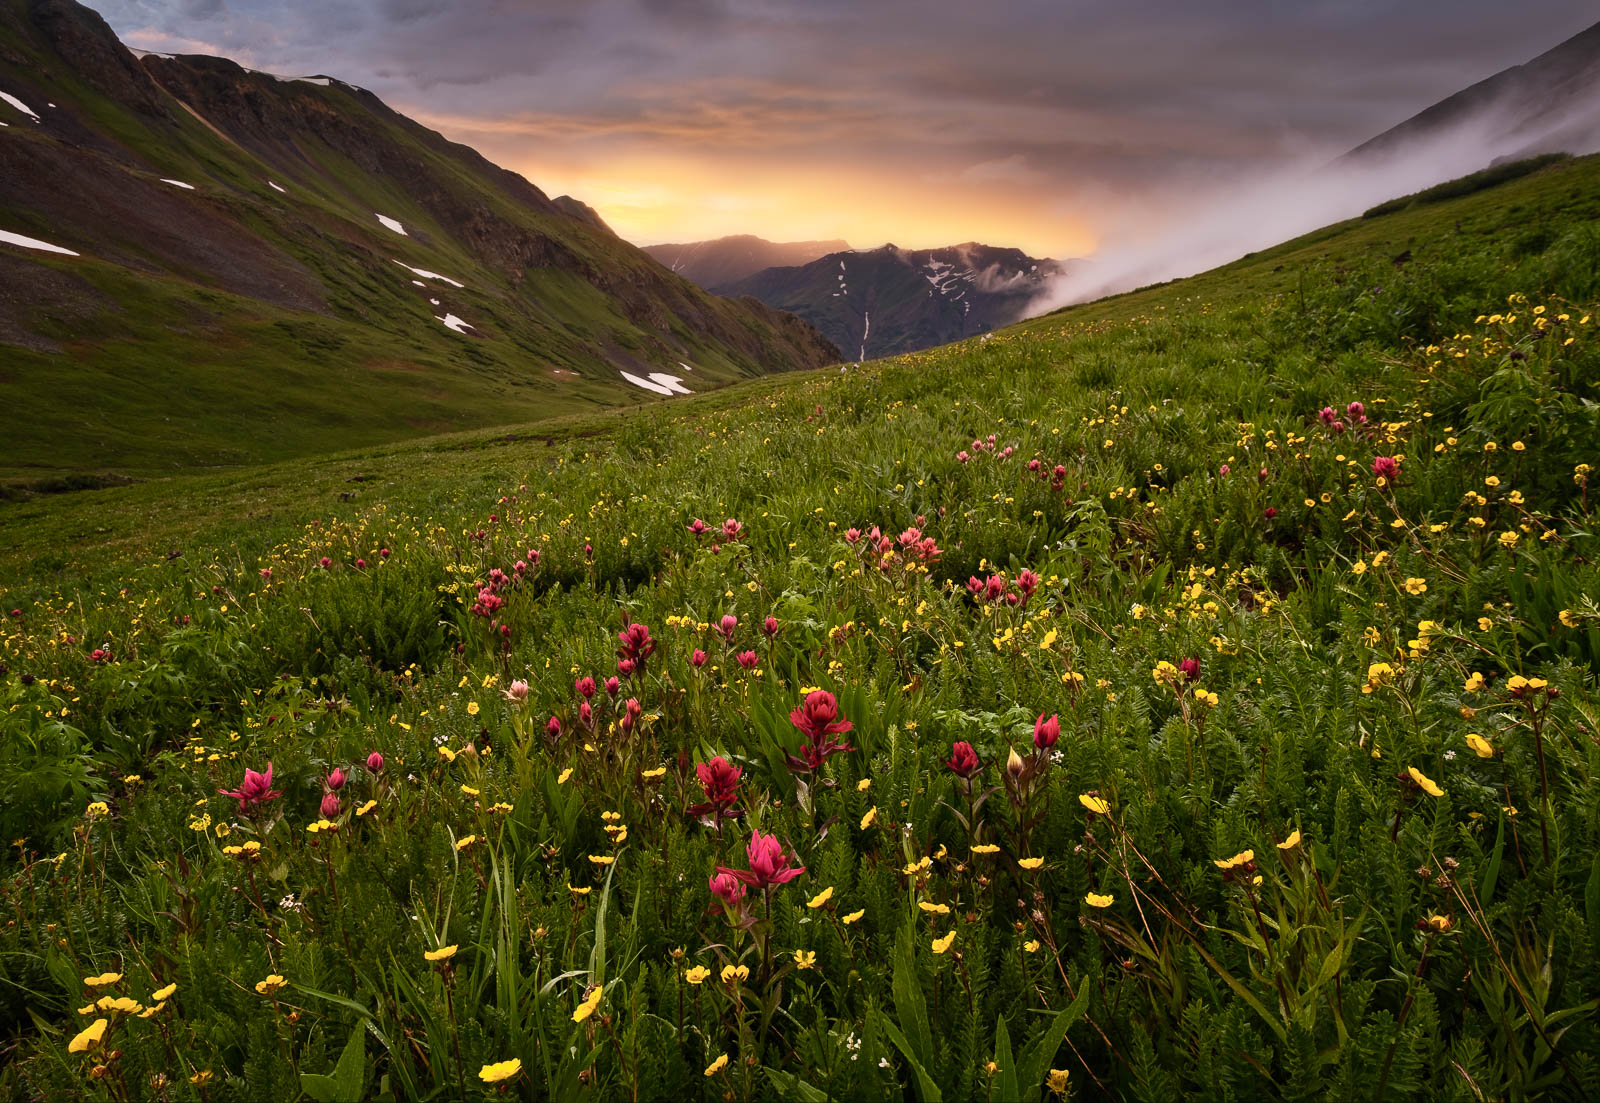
x: 1491, y: 872
x: 345, y: 1085
x: 1034, y: 1064
x: 910, y: 1005
x: 1005, y: 1080
x: 597, y: 956
x: 927, y: 1090
x: 1591, y: 902
x: 791, y: 1088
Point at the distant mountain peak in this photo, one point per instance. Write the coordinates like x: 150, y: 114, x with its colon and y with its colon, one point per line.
x: 736, y: 256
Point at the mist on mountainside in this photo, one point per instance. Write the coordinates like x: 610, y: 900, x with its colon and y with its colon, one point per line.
x: 1550, y: 105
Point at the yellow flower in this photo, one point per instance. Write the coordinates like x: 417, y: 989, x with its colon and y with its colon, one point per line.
x: 367, y: 807
x: 870, y: 818
x: 732, y: 974
x: 1568, y: 618
x: 654, y: 775
x: 1057, y: 1081
x: 1206, y: 698
x: 201, y: 1077
x: 1475, y: 683
x: 1484, y: 624
x: 1031, y: 946
x: 1099, y: 900
x: 985, y: 848
x: 1292, y: 841
x: 1030, y: 863
x: 602, y: 859
x: 933, y: 909
x: 565, y: 774
x: 1360, y: 567
x: 805, y: 959
x: 718, y: 1065
x: 161, y: 994
x: 1238, y: 859
x: 469, y: 791
x: 852, y: 917
x: 88, y: 1038
x: 1480, y: 746
x: 97, y: 808
x: 272, y: 984
x: 320, y: 826
x: 577, y: 891
x: 917, y: 866
x: 1094, y: 804
x: 1416, y: 586
x: 1165, y: 673
x: 820, y: 898
x: 503, y: 1070
x: 104, y: 980
x: 1439, y: 924
x: 863, y: 785
x: 465, y: 841
x: 472, y: 708
x: 152, y: 1011
x: 443, y: 953
x: 1424, y: 782
x: 590, y: 1002
x: 940, y: 945
x: 1378, y: 674
x: 697, y: 974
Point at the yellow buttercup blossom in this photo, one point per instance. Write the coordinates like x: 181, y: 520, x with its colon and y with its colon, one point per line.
x: 1480, y: 746
x: 1099, y: 900
x: 465, y: 841
x: 1416, y: 586
x: 161, y: 994
x: 502, y: 1070
x: 590, y: 1002
x: 1475, y: 683
x: 104, y: 980
x: 870, y: 818
x: 1031, y: 946
x: 732, y: 974
x: 602, y: 859
x: 932, y: 908
x: 1238, y: 859
x: 1426, y: 784
x: 443, y: 953
x: 940, y: 945
x: 1378, y: 674
x: 697, y: 974
x: 1030, y: 863
x: 820, y: 898
x: 863, y: 785
x: 985, y: 848
x: 1292, y: 841
x: 805, y: 959
x: 1057, y: 1081
x: 718, y: 1065
x: 852, y: 917
x: 88, y: 1038
x: 1094, y: 804
x: 272, y: 984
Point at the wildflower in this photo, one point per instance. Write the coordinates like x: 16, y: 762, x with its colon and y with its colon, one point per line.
x: 1424, y: 783
x: 718, y: 1065
x: 1190, y: 669
x: 443, y: 953
x: 1207, y: 698
x: 374, y: 763
x: 602, y: 859
x: 1518, y: 686
x: 367, y: 807
x: 1378, y: 675
x: 932, y: 908
x: 1480, y: 746
x: 517, y: 692
x: 720, y: 780
x: 561, y: 779
x: 805, y: 959
x: 1057, y: 1081
x: 1046, y: 732
x: 1416, y: 586
x: 1030, y: 864
x: 271, y: 985
x: 160, y: 995
x: 1292, y: 841
x: 247, y: 851
x: 201, y: 1078
x: 1568, y: 618
x: 733, y: 974
x: 588, y: 1004
x: 1165, y: 673
x: 1386, y: 468
x: 820, y: 898
x: 940, y: 945
x: 963, y: 760
x: 330, y: 806
x: 503, y: 1070
x: 869, y: 818
x: 696, y: 974
x: 104, y: 980
x: 1475, y: 683
x: 727, y: 887
x: 1099, y: 900
x: 256, y: 789
x: 852, y: 917
x: 769, y: 865
x: 1094, y: 804
x: 1244, y: 857
x: 88, y: 1038
x: 985, y: 848
x: 465, y: 841
x: 819, y: 721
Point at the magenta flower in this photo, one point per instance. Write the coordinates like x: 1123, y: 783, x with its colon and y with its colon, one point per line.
x: 963, y: 760
x: 728, y: 624
x: 697, y: 659
x: 517, y: 692
x: 819, y: 721
x: 769, y: 865
x: 613, y: 687
x: 374, y: 762
x: 337, y: 779
x: 1046, y: 732
x: 720, y: 779
x: 731, y: 529
x: 256, y: 789
x: 584, y: 686
x: 552, y: 728
x: 770, y: 627
x: 748, y: 660
x: 1386, y: 468
x: 637, y: 646
x: 1190, y: 669
x: 726, y: 886
x: 330, y: 806
x: 698, y: 527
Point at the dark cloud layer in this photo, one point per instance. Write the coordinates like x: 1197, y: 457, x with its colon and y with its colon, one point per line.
x: 1079, y: 110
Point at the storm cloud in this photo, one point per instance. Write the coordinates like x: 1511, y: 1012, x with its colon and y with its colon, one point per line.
x: 1050, y: 125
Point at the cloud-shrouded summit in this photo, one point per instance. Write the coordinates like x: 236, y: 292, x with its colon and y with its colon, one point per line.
x: 1048, y: 126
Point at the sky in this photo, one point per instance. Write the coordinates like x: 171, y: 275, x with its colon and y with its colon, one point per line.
x: 1052, y: 125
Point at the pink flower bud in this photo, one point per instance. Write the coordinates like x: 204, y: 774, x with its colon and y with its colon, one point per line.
x: 374, y: 762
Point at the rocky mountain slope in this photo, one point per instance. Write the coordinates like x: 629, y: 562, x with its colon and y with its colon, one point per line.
x: 889, y: 300
x: 728, y: 259
x: 201, y: 264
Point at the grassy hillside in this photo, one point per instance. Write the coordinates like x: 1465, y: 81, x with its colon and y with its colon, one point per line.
x: 264, y: 311
x: 1282, y: 775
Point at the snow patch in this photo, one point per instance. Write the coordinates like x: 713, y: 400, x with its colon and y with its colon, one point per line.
x: 423, y: 272
x: 19, y: 105
x: 391, y: 223
x: 178, y: 184
x: 433, y: 302
x: 685, y: 367
x: 275, y: 186
x: 866, y: 328
x: 647, y: 384
x: 452, y: 322
x: 33, y: 243
x: 658, y: 382
x: 418, y: 283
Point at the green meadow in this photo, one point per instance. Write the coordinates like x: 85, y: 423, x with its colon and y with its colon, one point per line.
x: 1189, y: 694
